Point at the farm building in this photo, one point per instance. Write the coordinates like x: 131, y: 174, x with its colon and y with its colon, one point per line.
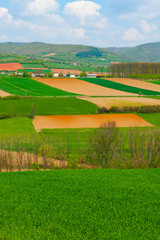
x: 91, y: 75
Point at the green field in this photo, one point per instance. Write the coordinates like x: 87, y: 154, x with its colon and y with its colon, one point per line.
x: 80, y: 204
x: 16, y: 126
x: 119, y: 86
x: 34, y: 70
x: 155, y: 82
x: 29, y: 87
x: 47, y: 106
x: 77, y: 139
x: 32, y: 65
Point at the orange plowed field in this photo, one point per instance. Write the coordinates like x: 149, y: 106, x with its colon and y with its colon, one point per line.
x: 10, y: 66
x: 109, y: 102
x: 136, y: 83
x: 78, y: 86
x: 88, y: 121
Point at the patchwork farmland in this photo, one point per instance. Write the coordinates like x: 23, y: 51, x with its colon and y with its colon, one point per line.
x: 78, y: 86
x: 122, y: 87
x: 60, y: 123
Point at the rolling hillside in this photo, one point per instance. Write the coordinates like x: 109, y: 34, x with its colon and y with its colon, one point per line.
x: 149, y: 52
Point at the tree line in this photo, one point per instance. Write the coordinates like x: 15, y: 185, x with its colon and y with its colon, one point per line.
x: 134, y: 69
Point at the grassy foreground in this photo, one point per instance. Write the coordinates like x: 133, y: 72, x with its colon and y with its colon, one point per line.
x: 80, y: 204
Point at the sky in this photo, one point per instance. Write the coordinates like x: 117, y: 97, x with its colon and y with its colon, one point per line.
x: 103, y: 23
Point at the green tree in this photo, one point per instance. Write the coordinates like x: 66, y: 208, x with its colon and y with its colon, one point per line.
x: 83, y: 74
x: 50, y: 75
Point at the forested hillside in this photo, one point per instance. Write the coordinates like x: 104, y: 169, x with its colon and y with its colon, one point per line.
x: 149, y: 52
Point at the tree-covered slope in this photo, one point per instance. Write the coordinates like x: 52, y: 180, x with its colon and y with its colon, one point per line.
x: 149, y: 52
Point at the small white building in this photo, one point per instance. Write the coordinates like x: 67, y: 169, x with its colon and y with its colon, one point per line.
x: 33, y: 74
x: 56, y: 74
x: 91, y: 75
x: 72, y: 76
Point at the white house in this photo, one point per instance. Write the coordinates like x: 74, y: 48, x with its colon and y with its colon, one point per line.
x: 91, y: 75
x: 56, y: 74
x: 72, y: 75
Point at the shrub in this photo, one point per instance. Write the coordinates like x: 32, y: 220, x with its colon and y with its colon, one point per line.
x: 129, y: 109
x: 103, y: 143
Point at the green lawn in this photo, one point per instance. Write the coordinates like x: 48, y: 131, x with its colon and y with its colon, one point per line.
x: 80, y: 204
x: 48, y: 106
x: 119, y: 86
x: 29, y: 87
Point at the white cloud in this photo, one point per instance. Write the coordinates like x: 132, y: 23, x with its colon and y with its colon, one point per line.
x: 41, y: 7
x: 79, y: 33
x: 132, y: 34
x: 5, y: 16
x: 3, y: 38
x: 82, y: 9
x: 146, y: 27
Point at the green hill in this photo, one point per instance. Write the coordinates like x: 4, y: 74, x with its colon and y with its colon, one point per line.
x: 149, y: 52
x: 79, y: 57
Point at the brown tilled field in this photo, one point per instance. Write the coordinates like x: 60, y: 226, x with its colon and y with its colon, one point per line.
x: 10, y: 66
x: 109, y: 102
x: 136, y: 83
x: 88, y: 121
x: 74, y: 85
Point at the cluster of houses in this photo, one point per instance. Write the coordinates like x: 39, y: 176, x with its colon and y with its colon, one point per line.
x: 56, y: 73
x: 62, y: 73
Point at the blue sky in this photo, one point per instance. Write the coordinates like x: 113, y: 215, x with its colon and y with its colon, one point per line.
x: 103, y: 23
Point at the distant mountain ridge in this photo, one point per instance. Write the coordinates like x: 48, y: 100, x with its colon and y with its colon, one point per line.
x: 149, y: 52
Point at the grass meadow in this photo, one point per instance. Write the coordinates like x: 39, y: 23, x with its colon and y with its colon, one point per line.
x: 80, y: 204
x: 47, y: 106
x: 119, y: 86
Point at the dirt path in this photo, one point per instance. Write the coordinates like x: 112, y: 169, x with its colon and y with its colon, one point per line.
x: 137, y: 83
x: 81, y: 87
x: 88, y: 121
x: 109, y: 102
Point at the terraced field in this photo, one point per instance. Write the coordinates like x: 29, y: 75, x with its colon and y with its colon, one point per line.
x: 29, y: 87
x: 119, y: 86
